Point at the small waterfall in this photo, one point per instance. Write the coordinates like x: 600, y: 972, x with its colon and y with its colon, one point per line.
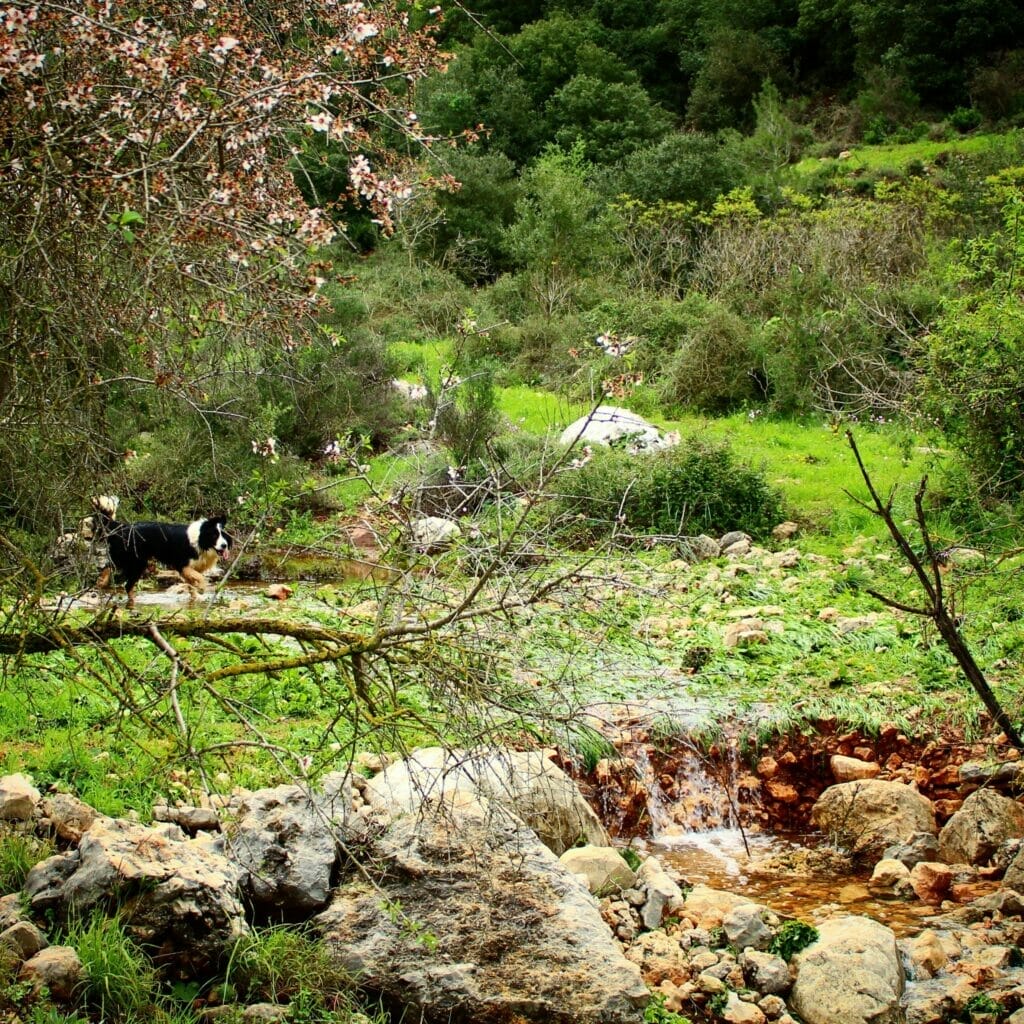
x: 688, y: 792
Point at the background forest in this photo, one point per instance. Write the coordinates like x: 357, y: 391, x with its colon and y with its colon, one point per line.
x: 334, y: 267
x: 789, y: 208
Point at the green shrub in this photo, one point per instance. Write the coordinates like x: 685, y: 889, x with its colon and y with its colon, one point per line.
x: 965, y: 119
x: 696, y: 487
x: 710, y: 370
x: 792, y: 937
x: 656, y: 1013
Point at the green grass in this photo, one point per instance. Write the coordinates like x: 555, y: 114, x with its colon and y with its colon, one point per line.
x: 900, y: 155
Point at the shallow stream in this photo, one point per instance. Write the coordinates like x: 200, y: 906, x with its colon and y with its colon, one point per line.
x: 717, y: 858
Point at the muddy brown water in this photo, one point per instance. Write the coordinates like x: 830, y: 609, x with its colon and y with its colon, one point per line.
x: 717, y: 858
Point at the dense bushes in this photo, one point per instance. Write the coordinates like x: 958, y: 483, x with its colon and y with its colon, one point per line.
x: 696, y: 487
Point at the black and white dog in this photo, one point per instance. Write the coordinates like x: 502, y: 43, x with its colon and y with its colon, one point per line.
x: 189, y: 549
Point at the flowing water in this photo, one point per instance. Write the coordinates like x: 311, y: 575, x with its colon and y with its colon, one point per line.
x: 694, y: 829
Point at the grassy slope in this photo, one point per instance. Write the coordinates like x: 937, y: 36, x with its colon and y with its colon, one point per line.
x: 898, y: 156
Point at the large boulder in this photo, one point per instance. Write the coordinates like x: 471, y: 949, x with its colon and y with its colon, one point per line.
x: 176, y: 894
x: 524, y: 782
x: 472, y: 918
x: 610, y: 425
x: 850, y: 975
x: 984, y: 821
x: 869, y: 815
x: 285, y: 840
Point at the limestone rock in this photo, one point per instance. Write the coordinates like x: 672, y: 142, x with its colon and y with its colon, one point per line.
x: 524, y: 782
x: 850, y: 975
x: 513, y: 935
x: 18, y: 798
x: 938, y: 999
x: 973, y: 834
x: 850, y: 769
x: 431, y: 533
x: 710, y: 906
x: 602, y: 866
x: 659, y: 957
x: 68, y: 816
x: 610, y: 425
x: 24, y: 938
x: 744, y: 927
x: 663, y: 895
x: 888, y: 873
x: 1014, y: 877
x: 920, y: 846
x: 285, y: 841
x: 765, y: 972
x: 56, y: 968
x: 871, y: 814
x: 736, y: 1011
x: 183, y: 891
x: 931, y: 880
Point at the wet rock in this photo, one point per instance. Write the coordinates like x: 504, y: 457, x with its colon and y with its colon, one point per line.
x: 975, y: 832
x: 58, y: 969
x: 18, y: 798
x: 931, y: 881
x: 850, y: 975
x: 869, y: 815
x: 602, y: 867
x: 525, y: 782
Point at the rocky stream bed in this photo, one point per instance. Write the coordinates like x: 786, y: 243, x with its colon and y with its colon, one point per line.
x: 905, y: 860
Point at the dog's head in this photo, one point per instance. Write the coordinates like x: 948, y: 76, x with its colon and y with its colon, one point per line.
x: 107, y: 503
x: 213, y: 536
x: 106, y: 510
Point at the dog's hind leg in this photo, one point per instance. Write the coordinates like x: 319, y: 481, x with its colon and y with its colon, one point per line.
x: 104, y: 581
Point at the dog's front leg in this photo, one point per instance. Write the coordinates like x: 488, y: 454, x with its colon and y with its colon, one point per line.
x: 196, y: 581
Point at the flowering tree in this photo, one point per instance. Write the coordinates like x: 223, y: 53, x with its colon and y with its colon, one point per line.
x: 156, y: 220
